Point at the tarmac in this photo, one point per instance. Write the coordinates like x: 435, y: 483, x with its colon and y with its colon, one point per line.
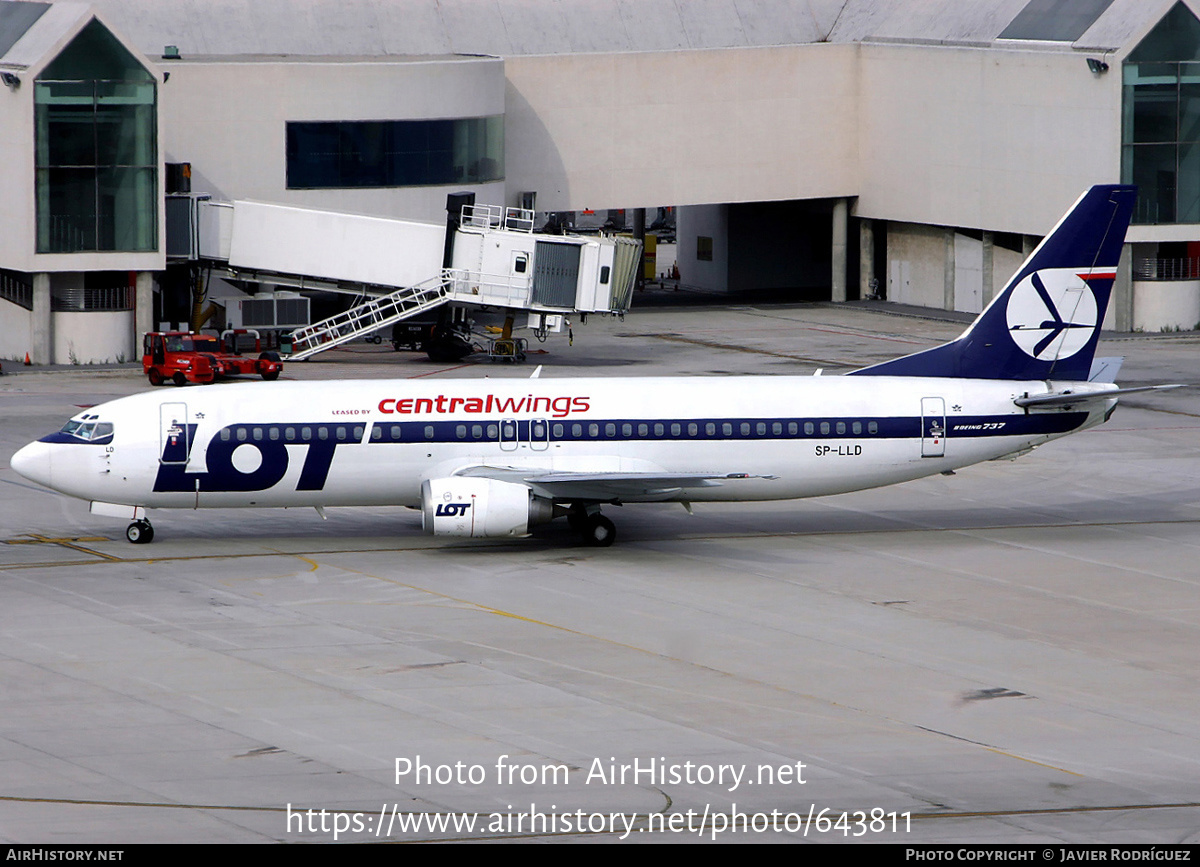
x: 1005, y: 656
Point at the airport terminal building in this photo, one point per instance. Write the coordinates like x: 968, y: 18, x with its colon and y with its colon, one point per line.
x: 818, y: 149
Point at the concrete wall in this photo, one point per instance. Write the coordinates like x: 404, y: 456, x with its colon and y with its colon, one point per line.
x: 999, y: 139
x: 17, y: 213
x: 968, y: 274
x: 916, y: 267
x: 1166, y: 305
x: 916, y: 259
x: 92, y: 337
x: 228, y: 118
x: 994, y: 138
x: 683, y: 128
x: 16, y: 330
x: 711, y: 221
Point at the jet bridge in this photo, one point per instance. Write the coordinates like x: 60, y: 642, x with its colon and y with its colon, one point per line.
x: 401, y: 268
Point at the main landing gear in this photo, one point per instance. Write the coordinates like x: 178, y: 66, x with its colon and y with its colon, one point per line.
x: 597, y: 531
x: 139, y: 532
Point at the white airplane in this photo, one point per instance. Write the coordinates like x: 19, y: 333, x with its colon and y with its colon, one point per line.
x: 489, y: 458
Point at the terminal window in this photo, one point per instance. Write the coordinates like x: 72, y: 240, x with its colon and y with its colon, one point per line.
x: 1160, y: 131
x: 97, y: 154
x: 394, y: 153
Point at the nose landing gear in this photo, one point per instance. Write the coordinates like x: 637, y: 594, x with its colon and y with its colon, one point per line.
x: 139, y: 532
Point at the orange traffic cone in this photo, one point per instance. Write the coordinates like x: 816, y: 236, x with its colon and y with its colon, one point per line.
x: 27, y: 362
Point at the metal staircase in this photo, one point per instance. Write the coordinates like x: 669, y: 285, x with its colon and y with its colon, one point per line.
x: 367, y: 317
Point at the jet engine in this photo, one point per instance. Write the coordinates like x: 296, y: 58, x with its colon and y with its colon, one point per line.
x: 467, y: 506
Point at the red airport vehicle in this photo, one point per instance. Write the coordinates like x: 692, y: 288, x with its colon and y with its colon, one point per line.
x: 185, y: 356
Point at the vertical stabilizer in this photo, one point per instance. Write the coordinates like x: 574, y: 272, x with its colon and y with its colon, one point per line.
x: 1046, y: 322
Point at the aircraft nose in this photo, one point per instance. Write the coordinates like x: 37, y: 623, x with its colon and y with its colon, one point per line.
x: 33, y: 462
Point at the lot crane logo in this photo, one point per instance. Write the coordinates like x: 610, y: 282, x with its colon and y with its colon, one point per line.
x: 1052, y: 314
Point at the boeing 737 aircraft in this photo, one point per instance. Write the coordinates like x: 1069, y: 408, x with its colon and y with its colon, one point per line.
x: 488, y: 458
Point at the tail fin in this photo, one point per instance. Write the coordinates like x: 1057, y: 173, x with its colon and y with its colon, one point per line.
x: 1046, y: 322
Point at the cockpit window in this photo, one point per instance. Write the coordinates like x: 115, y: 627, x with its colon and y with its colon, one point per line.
x: 85, y: 430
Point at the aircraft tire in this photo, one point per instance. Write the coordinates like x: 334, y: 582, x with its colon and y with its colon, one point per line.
x: 599, y: 532
x: 139, y: 532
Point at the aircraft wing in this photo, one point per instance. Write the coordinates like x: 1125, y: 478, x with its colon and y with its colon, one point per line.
x: 604, y: 486
x: 1070, y: 398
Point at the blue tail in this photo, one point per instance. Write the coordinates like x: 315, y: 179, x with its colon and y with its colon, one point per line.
x: 1046, y: 322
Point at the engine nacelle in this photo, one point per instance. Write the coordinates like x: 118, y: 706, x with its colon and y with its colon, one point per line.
x: 467, y: 506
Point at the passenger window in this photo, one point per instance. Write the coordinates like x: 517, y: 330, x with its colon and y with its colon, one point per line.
x: 824, y: 428
x: 460, y: 431
x: 376, y: 433
x: 856, y: 428
x: 557, y: 431
x: 761, y: 428
x: 593, y: 430
x: 323, y: 432
x: 745, y: 428
x: 341, y: 434
x: 676, y: 429
x: 777, y: 428
x: 710, y: 429
x: 610, y: 430
x: 808, y: 428
x: 289, y: 434
x: 428, y: 431
x: 273, y: 433
x: 306, y: 433
x: 693, y: 429
x: 477, y: 431
x: 793, y: 428
x: 241, y: 435
x: 659, y: 430
x: 577, y: 430
x: 872, y: 427
x: 841, y: 427
x: 643, y: 430
x: 492, y: 431
x: 257, y: 434
x: 358, y: 433
x: 225, y: 435
x: 727, y: 429
x: 626, y: 430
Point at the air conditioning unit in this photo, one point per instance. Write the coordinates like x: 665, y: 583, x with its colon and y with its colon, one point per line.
x: 277, y: 310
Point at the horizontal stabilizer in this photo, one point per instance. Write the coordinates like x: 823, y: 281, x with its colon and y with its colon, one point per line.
x: 1069, y: 398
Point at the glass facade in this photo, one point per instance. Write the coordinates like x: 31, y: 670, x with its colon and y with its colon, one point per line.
x: 394, y: 153
x: 1160, y: 134
x: 97, y: 152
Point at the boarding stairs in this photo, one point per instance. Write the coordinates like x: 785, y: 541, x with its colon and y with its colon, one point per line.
x: 370, y: 316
